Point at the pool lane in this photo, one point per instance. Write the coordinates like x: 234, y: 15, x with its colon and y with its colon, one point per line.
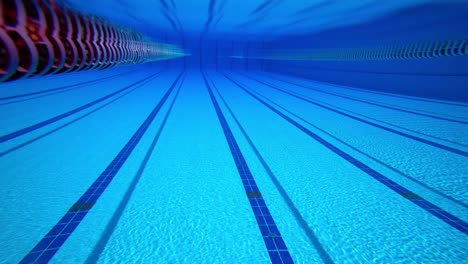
x: 405, y: 193
x: 443, y: 173
x: 104, y: 239
x: 404, y: 176
x: 40, y: 113
x: 62, y: 165
x: 47, y: 82
x: 433, y: 129
x: 56, y: 89
x: 56, y: 118
x: 189, y: 205
x: 14, y: 147
x: 355, y: 217
x: 274, y: 242
x: 422, y: 140
x: 325, y: 257
x: 54, y: 239
x: 94, y: 229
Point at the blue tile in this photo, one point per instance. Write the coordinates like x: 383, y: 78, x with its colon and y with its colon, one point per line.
x: 280, y: 243
x: 66, y: 218
x: 47, y: 255
x: 83, y: 199
x: 70, y: 228
x: 423, y: 204
x: 346, y: 157
x: 261, y: 220
x: 264, y: 230
x: 56, y: 230
x: 257, y: 211
x: 274, y: 229
x: 286, y: 257
x: 58, y: 242
x: 275, y: 257
x: 43, y: 244
x: 463, y: 227
x: 95, y: 184
x: 446, y: 214
x: 94, y: 198
x: 253, y: 202
x: 269, y: 219
x: 79, y: 216
x: 255, y: 188
x: 399, y: 188
x: 269, y: 243
x: 261, y: 202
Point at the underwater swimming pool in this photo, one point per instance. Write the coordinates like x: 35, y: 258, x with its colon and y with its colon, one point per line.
x: 255, y: 152
x: 178, y: 196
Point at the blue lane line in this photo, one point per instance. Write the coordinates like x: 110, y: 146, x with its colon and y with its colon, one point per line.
x: 56, y: 237
x: 364, y: 153
x: 405, y: 193
x: 271, y: 235
x: 32, y: 140
x: 425, y: 141
x: 384, y: 122
x: 49, y: 121
x: 369, y: 102
x: 65, y: 90
x: 297, y: 215
x: 106, y: 234
x: 62, y: 87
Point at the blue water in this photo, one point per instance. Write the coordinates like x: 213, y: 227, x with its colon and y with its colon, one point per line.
x: 292, y: 132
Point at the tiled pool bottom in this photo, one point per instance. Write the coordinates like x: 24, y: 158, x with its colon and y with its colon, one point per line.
x: 145, y: 165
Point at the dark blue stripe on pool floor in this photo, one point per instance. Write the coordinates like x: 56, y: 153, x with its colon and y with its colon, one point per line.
x: 56, y: 237
x: 274, y: 242
x: 49, y: 121
x: 110, y: 227
x: 380, y: 121
x: 62, y: 87
x: 401, y: 173
x: 422, y: 140
x: 284, y: 194
x: 32, y: 140
x: 407, y: 194
x: 365, y: 101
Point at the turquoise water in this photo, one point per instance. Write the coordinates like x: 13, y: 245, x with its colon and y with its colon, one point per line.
x: 188, y: 203
x: 356, y: 162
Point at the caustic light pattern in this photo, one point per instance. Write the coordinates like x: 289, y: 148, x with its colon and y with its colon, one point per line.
x: 39, y: 37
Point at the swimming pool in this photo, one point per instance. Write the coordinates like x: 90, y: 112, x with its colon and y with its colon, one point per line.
x: 238, y: 159
x: 178, y: 196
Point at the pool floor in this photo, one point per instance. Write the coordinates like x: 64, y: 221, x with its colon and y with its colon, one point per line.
x: 145, y: 164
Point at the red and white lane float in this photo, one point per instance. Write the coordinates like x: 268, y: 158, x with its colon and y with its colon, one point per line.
x: 39, y: 37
